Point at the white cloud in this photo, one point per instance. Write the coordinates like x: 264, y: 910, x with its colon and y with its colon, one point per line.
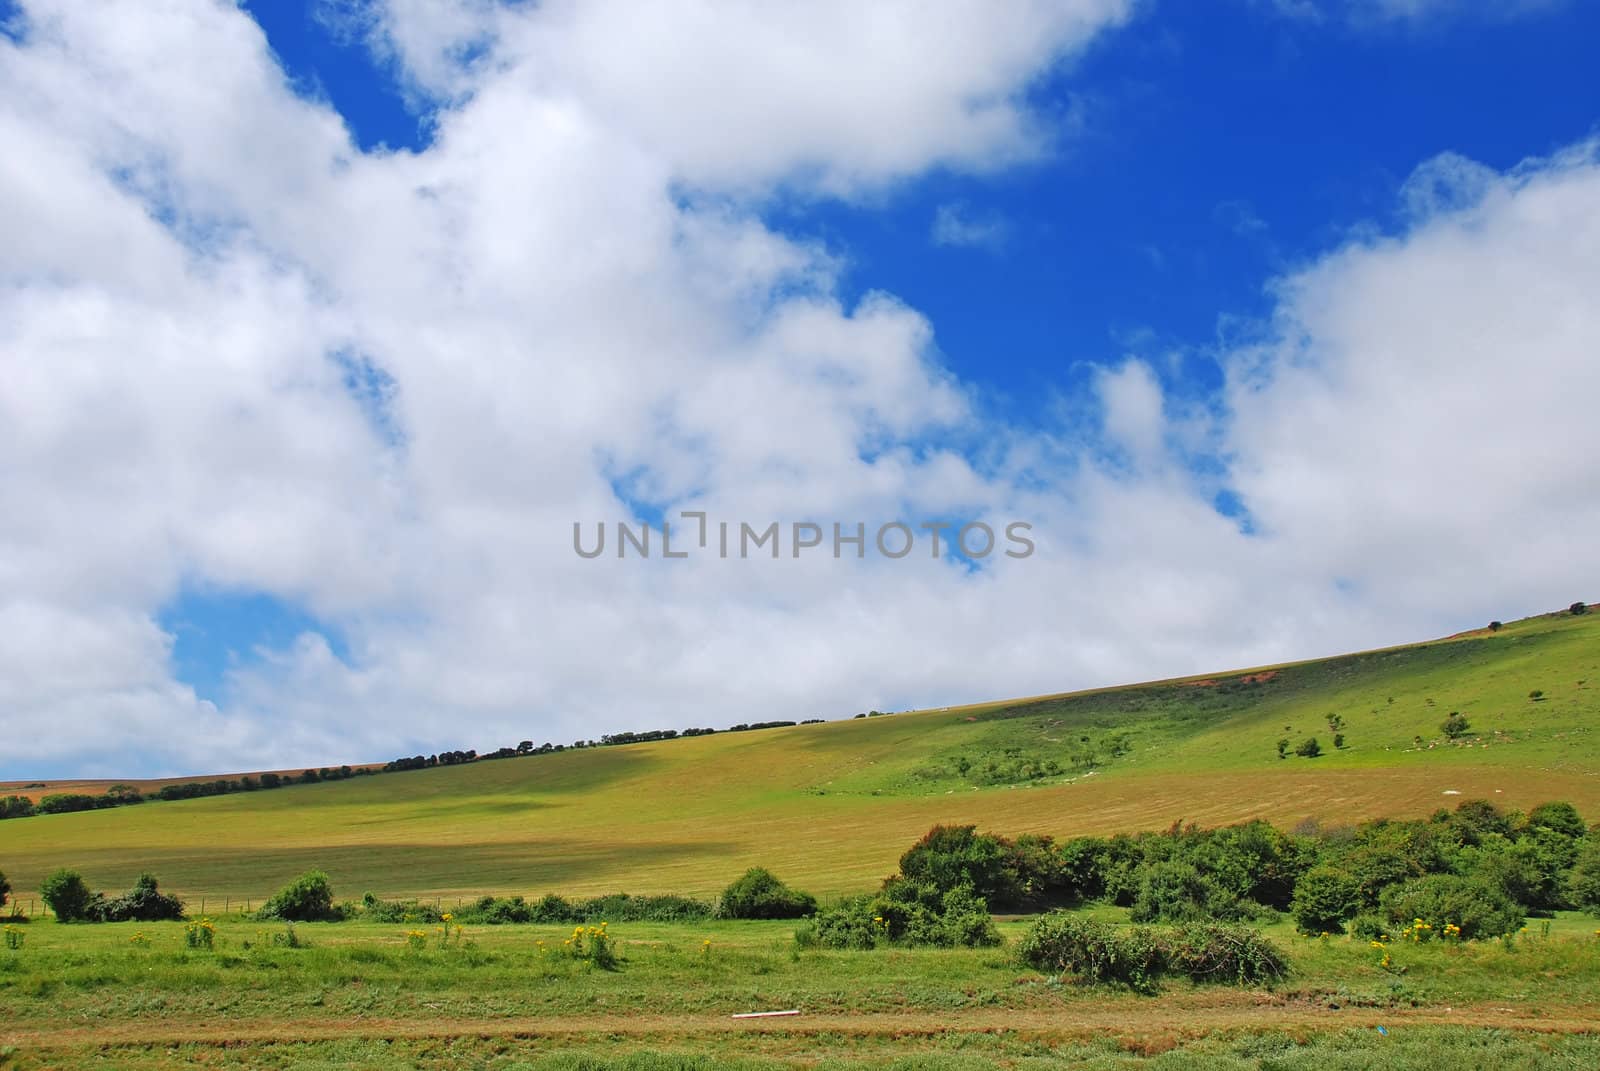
x: 835, y: 95
x: 194, y: 256
x: 955, y: 225
x: 1376, y: 13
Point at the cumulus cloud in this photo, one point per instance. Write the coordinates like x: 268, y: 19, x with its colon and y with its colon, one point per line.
x: 236, y: 353
x: 838, y: 96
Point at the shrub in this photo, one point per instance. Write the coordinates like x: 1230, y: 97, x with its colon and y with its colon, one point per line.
x: 5, y: 890
x: 1175, y: 891
x: 758, y: 894
x: 1283, y: 748
x: 1309, y: 748
x: 17, y: 807
x: 1479, y: 909
x: 398, y: 911
x: 621, y: 907
x: 965, y: 921
x: 1495, y: 626
x: 552, y: 908
x: 1478, y: 818
x: 1583, y: 884
x: 497, y: 911
x: 1370, y: 926
x: 309, y: 898
x: 1577, y: 608
x: 1092, y: 952
x: 1338, y: 740
x: 851, y: 924
x: 143, y: 903
x: 1514, y: 869
x: 1323, y: 899
x: 1456, y: 725
x: 1234, y: 955
x: 948, y: 857
x: 1562, y: 818
x: 67, y: 895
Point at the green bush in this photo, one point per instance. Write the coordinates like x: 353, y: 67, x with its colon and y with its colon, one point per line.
x: 67, y: 895
x: 552, y: 908
x: 1513, y: 867
x: 1560, y: 818
x: 496, y: 911
x: 1323, y: 899
x: 397, y: 911
x: 965, y: 921
x: 1309, y: 748
x: 1234, y: 955
x: 1583, y: 884
x: 758, y: 894
x: 621, y: 907
x: 949, y: 857
x: 851, y: 924
x: 1456, y: 725
x: 911, y: 914
x: 1479, y: 909
x: 143, y: 903
x: 1092, y: 952
x: 1370, y: 926
x: 1178, y: 891
x: 309, y: 898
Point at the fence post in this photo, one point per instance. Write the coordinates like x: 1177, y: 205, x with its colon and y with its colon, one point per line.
x: 202, y: 905
x: 225, y: 902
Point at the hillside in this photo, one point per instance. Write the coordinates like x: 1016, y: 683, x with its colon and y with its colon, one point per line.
x: 831, y: 806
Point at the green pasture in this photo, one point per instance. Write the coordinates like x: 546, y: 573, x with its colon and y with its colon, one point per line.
x: 134, y: 995
x: 831, y: 806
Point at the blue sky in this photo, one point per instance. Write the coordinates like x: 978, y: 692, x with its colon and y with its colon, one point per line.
x: 1108, y: 309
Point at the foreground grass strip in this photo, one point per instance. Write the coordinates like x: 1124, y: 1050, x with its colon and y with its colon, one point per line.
x: 1402, y: 1049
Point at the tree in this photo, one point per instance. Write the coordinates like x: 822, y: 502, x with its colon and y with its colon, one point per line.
x: 1309, y: 748
x: 1495, y: 626
x: 1578, y: 608
x: 1338, y: 740
x: 1283, y: 748
x: 5, y: 890
x: 1456, y: 725
x: 67, y: 895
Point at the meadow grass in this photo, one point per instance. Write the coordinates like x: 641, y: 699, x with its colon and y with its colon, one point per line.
x: 831, y: 806
x: 358, y: 994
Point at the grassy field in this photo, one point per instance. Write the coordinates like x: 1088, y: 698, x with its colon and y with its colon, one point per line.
x: 831, y: 806
x: 356, y: 995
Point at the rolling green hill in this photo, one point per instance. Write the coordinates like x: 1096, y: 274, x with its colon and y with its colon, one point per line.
x: 831, y: 806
